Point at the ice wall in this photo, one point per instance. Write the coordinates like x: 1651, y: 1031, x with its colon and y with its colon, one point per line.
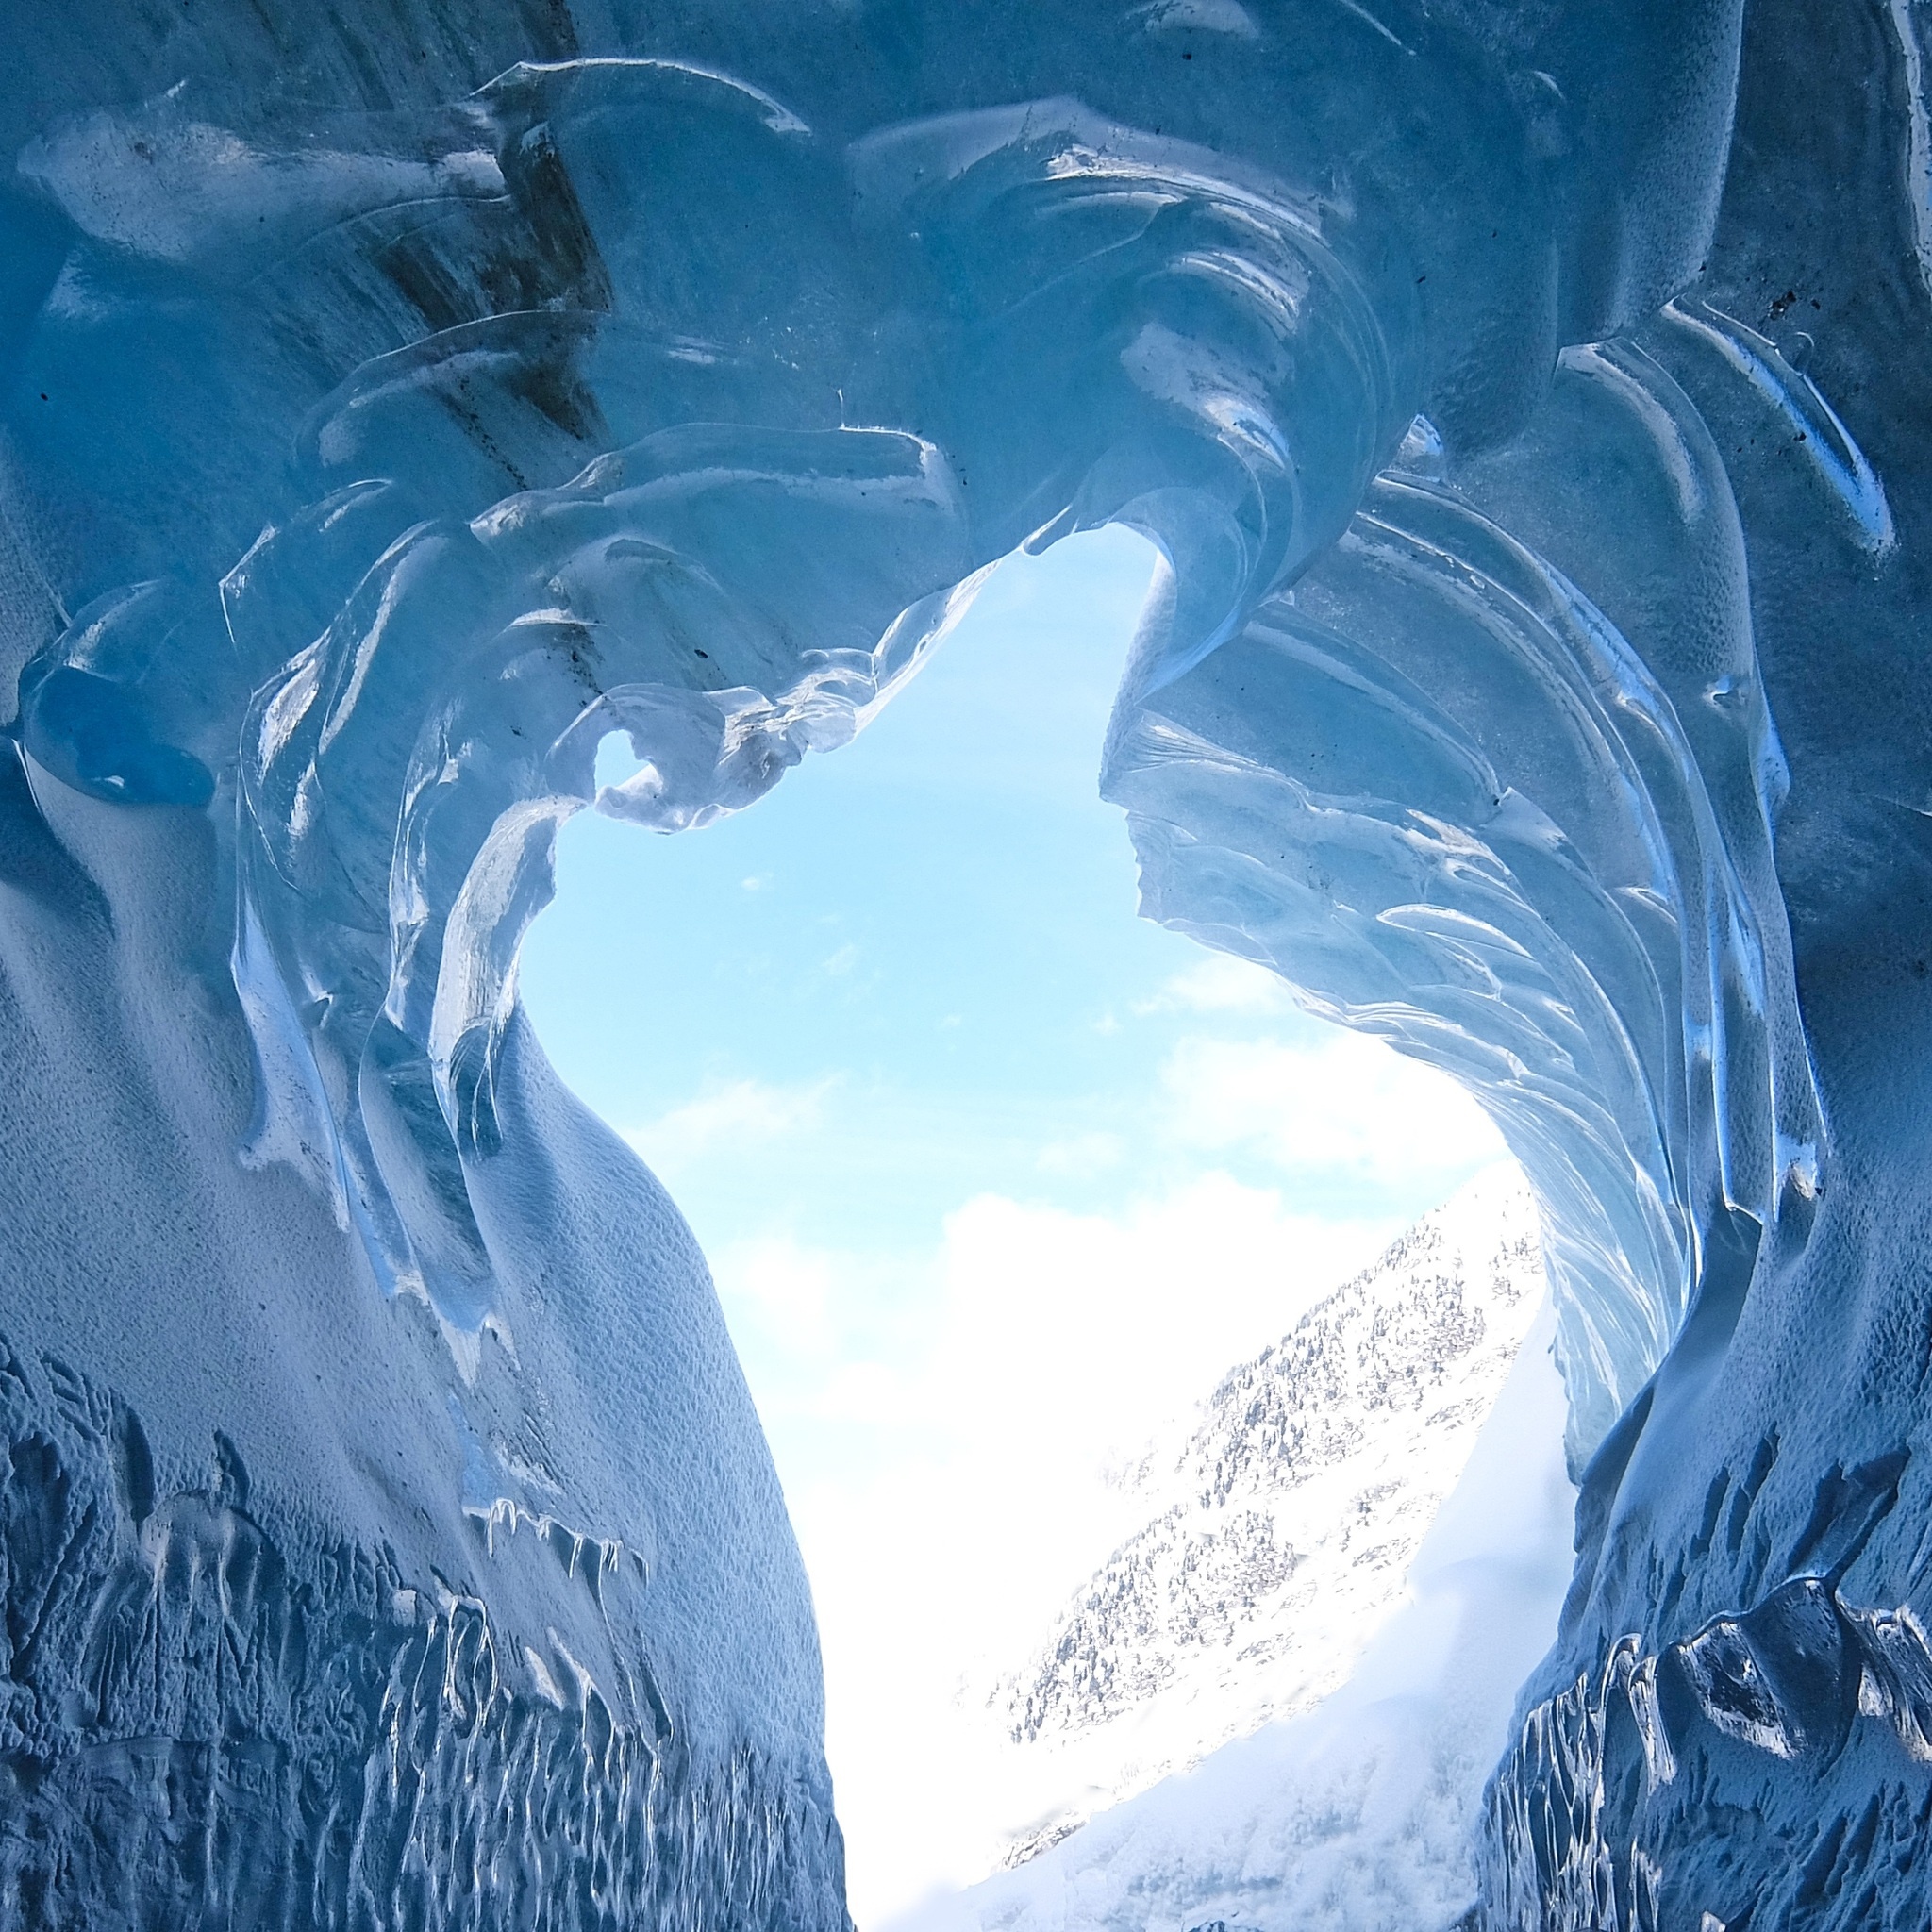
x: 1528, y: 400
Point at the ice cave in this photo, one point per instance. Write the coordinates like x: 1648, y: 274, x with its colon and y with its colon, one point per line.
x: 402, y: 397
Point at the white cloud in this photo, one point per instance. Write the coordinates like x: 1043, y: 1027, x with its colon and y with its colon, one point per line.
x: 842, y: 961
x: 1019, y: 1359
x: 729, y: 1114
x: 871, y: 1394
x: 1079, y: 1332
x: 1345, y: 1103
x: 1220, y: 983
x: 1082, y: 1157
x: 782, y: 1295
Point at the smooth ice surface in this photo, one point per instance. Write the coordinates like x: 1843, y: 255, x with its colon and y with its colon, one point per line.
x: 1528, y: 404
x: 562, y: 458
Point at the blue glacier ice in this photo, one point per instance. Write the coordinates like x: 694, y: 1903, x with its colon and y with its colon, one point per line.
x: 1529, y: 399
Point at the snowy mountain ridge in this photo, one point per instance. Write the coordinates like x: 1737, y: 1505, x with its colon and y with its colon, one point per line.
x: 1283, y: 1513
x: 1360, y: 1814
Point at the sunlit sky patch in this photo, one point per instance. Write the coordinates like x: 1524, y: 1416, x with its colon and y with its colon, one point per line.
x: 993, y: 1174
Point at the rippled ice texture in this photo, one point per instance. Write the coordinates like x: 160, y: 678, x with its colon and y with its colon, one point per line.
x: 1528, y: 401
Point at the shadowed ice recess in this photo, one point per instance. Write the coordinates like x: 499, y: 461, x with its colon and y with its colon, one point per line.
x: 1527, y: 406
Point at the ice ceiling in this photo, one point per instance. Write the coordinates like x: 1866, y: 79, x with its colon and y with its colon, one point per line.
x: 1528, y: 402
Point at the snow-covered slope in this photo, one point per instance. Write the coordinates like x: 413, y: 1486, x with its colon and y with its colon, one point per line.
x: 1276, y: 1521
x: 1357, y: 1816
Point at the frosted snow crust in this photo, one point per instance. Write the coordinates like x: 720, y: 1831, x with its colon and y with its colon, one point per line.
x: 1528, y: 404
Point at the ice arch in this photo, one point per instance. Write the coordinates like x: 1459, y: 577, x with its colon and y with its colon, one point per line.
x: 403, y: 396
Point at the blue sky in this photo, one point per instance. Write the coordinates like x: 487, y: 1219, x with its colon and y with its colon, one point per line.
x: 993, y: 1174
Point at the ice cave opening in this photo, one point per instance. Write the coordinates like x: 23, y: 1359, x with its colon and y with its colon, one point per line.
x: 1012, y: 1197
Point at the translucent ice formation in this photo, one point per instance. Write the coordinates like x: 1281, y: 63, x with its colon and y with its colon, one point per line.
x: 1526, y: 401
